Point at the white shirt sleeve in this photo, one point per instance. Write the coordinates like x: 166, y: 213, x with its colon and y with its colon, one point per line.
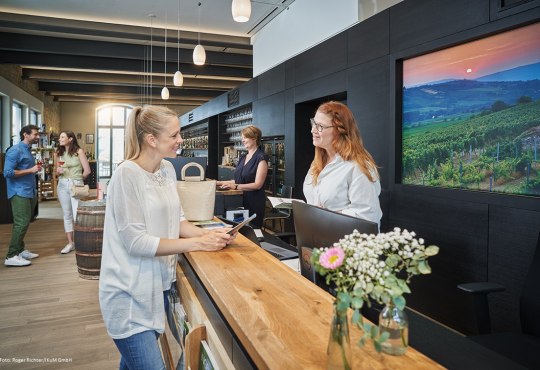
x: 129, y: 216
x: 364, y: 197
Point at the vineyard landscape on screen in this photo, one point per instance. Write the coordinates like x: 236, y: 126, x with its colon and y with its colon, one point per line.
x: 471, y: 115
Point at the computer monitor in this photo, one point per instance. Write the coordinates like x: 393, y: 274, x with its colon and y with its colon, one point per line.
x: 318, y: 227
x: 180, y: 162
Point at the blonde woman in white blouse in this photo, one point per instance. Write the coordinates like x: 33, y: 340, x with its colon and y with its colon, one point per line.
x: 343, y: 176
x: 144, y: 229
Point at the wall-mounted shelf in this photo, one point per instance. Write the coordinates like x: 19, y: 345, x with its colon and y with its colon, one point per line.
x: 195, y: 140
x: 235, y: 122
x: 47, y: 176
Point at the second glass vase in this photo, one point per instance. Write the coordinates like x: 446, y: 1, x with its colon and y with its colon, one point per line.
x: 339, y: 344
x: 394, y: 321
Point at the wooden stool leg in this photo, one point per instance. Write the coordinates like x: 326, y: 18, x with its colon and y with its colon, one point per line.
x: 166, y: 351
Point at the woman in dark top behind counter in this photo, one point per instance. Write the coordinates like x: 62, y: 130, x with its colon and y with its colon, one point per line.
x: 250, y: 174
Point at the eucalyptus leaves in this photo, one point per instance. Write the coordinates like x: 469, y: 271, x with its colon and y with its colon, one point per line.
x: 379, y: 267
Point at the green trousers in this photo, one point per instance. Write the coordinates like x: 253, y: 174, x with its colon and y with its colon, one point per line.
x: 23, y: 210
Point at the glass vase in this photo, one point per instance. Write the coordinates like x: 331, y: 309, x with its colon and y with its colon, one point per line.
x: 339, y: 345
x: 394, y: 321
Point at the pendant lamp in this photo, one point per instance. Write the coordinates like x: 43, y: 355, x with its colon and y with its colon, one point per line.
x: 241, y: 10
x: 165, y: 91
x: 199, y: 55
x: 178, y: 79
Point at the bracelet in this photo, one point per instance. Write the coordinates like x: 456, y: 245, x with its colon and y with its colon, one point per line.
x: 235, y: 186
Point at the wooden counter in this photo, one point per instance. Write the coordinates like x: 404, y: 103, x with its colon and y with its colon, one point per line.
x: 280, y: 318
x: 229, y: 192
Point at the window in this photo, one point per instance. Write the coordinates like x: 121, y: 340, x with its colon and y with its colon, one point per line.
x: 16, y: 122
x: 35, y: 118
x: 111, y: 122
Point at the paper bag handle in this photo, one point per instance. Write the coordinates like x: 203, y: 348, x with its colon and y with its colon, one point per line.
x: 192, y: 178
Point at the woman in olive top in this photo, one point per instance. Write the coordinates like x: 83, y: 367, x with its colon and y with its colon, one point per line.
x: 73, y: 168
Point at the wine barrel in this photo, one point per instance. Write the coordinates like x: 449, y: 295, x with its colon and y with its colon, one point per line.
x: 89, y: 238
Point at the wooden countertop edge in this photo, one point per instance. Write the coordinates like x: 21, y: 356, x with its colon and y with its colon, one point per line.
x: 230, y: 192
x: 264, y: 349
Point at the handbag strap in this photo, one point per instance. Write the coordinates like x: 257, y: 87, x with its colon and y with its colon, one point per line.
x: 192, y: 178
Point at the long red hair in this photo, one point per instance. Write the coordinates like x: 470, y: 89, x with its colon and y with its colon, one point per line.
x: 347, y: 142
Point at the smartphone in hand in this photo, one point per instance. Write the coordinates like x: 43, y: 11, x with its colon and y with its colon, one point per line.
x: 241, y: 224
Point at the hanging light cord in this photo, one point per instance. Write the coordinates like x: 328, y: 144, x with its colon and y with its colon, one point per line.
x: 199, y: 37
x: 165, y: 48
x: 151, y: 52
x: 178, y: 38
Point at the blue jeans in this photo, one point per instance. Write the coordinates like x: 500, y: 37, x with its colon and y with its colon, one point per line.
x: 141, y: 351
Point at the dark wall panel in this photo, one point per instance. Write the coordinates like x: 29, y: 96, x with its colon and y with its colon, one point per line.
x: 513, y: 235
x: 268, y: 115
x: 248, y: 92
x: 505, y: 8
x: 460, y: 230
x: 369, y: 39
x: 321, y: 60
x: 290, y: 150
x: 414, y: 22
x: 289, y: 73
x: 367, y: 96
x: 271, y: 82
x: 328, y: 85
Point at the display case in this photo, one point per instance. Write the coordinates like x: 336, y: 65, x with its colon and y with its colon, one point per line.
x: 274, y: 149
x: 231, y: 134
x: 47, y: 175
x: 195, y: 140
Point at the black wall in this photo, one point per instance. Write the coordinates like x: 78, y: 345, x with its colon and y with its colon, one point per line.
x: 482, y: 236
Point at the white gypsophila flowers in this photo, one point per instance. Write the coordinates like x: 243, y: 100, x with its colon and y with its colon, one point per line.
x: 372, y: 259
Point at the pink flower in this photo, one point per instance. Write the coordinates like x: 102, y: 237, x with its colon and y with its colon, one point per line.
x: 332, y: 258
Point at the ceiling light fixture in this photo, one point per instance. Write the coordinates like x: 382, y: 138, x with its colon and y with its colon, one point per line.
x: 199, y: 55
x: 241, y: 10
x: 165, y: 91
x: 178, y: 79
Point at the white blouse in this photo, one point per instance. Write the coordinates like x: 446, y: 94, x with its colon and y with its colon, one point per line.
x: 343, y: 187
x: 142, y: 207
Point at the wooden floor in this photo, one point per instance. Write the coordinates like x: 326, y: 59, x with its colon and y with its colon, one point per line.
x: 47, y: 312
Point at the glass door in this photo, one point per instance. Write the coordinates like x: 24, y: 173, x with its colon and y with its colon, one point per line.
x: 274, y: 149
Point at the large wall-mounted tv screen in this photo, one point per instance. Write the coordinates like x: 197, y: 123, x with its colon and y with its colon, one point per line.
x: 471, y: 115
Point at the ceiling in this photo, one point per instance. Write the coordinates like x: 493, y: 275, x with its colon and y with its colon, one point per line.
x: 99, y: 51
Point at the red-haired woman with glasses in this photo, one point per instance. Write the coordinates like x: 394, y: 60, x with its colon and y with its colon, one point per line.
x: 343, y: 176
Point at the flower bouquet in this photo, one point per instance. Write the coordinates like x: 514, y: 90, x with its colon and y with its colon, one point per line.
x: 363, y: 268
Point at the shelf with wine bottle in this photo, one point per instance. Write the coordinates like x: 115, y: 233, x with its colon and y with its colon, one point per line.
x: 46, y: 175
x: 195, y: 140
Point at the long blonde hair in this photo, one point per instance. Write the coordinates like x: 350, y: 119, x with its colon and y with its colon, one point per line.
x: 145, y: 120
x: 347, y: 142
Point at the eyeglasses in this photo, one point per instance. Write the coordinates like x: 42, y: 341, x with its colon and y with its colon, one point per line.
x: 318, y: 126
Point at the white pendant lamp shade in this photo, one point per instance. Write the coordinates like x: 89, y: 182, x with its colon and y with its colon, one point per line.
x: 178, y: 79
x: 241, y: 10
x: 199, y: 55
x: 165, y: 93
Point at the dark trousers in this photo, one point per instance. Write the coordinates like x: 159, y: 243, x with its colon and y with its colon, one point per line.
x: 22, y: 209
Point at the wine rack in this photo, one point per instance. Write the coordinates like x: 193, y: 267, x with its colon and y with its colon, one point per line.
x: 195, y: 140
x: 235, y: 122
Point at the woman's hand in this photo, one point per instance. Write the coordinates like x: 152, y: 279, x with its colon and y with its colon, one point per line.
x: 226, y: 230
x: 227, y: 184
x: 213, y: 240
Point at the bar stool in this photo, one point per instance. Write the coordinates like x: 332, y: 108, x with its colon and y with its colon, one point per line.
x: 280, y: 214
